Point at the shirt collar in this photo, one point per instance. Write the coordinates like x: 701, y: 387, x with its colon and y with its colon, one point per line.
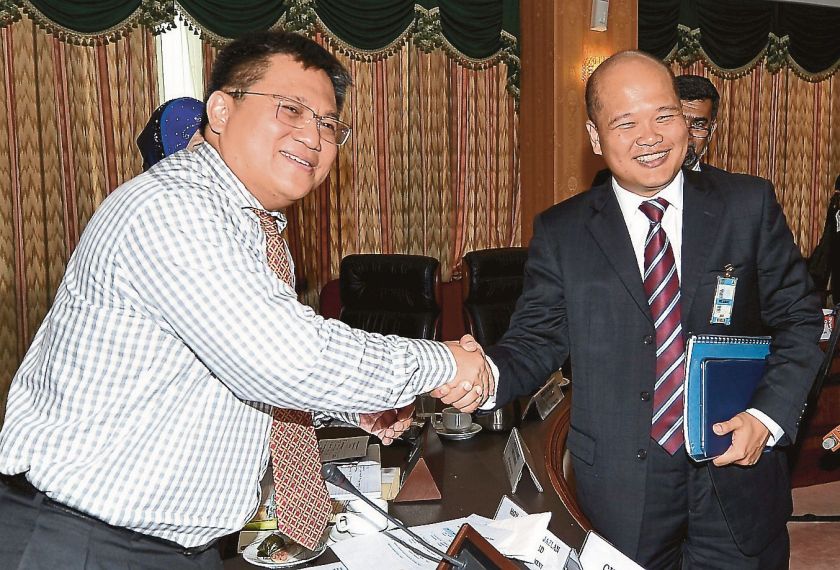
x: 630, y: 202
x: 236, y: 191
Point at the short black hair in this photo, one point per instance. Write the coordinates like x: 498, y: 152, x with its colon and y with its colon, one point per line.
x: 837, y: 183
x: 593, y: 101
x: 245, y: 60
x: 698, y: 88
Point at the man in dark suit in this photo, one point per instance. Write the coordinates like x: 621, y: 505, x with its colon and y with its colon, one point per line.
x: 585, y: 297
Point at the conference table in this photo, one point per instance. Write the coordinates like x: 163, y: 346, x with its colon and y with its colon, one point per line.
x: 474, y: 480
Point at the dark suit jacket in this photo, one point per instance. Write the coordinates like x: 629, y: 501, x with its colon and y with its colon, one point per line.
x: 583, y: 297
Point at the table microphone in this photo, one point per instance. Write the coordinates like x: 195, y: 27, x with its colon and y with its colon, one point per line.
x: 331, y: 473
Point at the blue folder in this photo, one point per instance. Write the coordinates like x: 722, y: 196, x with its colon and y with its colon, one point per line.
x: 722, y: 373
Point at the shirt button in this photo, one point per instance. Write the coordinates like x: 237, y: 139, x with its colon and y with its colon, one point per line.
x: 645, y: 396
x: 641, y: 455
x: 648, y: 339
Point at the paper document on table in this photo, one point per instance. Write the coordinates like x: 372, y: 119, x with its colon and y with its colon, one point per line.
x: 343, y: 448
x: 515, y: 538
x: 552, y: 553
x: 365, y: 475
x: 356, y: 553
x: 333, y: 566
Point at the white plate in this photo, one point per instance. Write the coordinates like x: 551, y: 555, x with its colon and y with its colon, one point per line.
x: 442, y: 432
x: 250, y: 555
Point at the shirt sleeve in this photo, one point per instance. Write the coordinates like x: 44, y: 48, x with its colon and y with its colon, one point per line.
x: 196, y: 275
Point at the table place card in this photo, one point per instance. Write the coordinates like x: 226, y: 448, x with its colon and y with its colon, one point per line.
x: 547, y: 397
x: 553, y: 553
x: 517, y: 456
x: 343, y: 448
x: 600, y: 554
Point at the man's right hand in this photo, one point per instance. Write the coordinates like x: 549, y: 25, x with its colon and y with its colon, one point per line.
x: 473, y: 382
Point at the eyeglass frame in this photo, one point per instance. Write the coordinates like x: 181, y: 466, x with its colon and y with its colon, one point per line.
x: 318, y: 118
x: 708, y: 130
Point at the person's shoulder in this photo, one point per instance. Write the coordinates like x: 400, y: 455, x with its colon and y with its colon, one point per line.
x: 575, y: 207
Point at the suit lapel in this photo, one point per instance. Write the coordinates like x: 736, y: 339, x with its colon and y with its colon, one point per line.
x: 610, y: 232
x: 701, y: 217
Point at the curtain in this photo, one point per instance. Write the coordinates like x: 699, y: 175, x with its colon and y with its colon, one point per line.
x: 70, y: 116
x: 786, y: 129
x: 431, y: 168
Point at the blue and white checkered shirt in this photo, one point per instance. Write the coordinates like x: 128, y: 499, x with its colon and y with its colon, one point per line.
x: 136, y: 400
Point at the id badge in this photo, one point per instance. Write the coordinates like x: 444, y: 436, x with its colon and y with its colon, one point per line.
x: 724, y: 300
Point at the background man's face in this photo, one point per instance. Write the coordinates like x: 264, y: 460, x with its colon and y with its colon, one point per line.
x: 698, y: 113
x: 639, y: 130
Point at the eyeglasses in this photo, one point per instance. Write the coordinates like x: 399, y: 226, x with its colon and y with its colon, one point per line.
x: 699, y: 129
x: 297, y: 115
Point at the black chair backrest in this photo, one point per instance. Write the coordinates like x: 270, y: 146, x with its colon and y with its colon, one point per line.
x: 493, y: 282
x: 391, y: 294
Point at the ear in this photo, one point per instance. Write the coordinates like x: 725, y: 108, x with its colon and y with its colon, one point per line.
x: 218, y: 111
x: 594, y: 138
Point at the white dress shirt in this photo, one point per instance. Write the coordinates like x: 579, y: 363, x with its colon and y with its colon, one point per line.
x: 136, y: 402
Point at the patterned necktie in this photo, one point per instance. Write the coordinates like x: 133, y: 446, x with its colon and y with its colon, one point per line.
x: 662, y: 286
x: 303, y: 505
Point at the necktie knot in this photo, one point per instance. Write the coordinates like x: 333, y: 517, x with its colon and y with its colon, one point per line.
x: 654, y: 209
x: 267, y: 222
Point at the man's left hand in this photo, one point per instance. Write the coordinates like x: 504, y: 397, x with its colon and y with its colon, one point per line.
x: 387, y: 425
x: 749, y: 436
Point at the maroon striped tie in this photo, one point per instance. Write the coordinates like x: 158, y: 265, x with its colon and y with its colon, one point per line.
x: 303, y: 504
x: 662, y: 286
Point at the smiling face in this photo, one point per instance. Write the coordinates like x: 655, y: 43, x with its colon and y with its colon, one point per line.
x: 277, y: 163
x: 639, y: 128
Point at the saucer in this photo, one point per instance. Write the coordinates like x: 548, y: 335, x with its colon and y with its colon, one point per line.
x: 299, y: 556
x: 457, y: 436
x: 336, y: 535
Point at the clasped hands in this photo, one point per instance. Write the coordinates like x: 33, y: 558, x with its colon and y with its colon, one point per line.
x: 472, y: 385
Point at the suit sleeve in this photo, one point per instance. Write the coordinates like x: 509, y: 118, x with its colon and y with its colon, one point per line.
x: 792, y: 311
x: 537, y: 341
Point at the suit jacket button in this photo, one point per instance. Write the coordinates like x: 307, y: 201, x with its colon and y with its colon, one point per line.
x: 645, y: 396
x: 648, y: 339
x: 641, y: 455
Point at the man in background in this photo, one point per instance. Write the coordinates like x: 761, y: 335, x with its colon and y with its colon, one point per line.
x: 700, y: 100
x: 616, y: 277
x: 138, y: 425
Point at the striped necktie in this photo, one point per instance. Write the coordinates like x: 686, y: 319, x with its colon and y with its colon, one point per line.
x: 303, y: 504
x: 662, y: 286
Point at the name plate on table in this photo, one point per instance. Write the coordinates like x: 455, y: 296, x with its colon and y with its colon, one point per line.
x: 600, y: 554
x: 424, y: 471
x: 516, y: 457
x: 547, y: 397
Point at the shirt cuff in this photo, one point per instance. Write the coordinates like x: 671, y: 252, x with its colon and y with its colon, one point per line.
x: 491, y: 401
x: 776, y: 432
x: 435, y: 365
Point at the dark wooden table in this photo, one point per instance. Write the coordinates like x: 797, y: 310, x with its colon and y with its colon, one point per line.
x: 474, y: 482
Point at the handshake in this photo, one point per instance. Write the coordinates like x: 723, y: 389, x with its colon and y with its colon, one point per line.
x: 472, y: 385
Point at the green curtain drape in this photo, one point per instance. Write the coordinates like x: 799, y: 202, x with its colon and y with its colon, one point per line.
x: 734, y: 36
x: 475, y: 29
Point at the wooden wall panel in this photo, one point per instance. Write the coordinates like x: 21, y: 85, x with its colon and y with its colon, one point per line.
x: 556, y: 159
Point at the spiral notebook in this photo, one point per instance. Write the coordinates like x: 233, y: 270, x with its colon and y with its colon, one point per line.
x: 722, y: 373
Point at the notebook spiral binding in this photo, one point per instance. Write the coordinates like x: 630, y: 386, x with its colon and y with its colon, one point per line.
x: 724, y: 339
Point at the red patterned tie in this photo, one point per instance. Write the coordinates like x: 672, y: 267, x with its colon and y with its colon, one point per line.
x: 662, y: 286
x: 303, y: 505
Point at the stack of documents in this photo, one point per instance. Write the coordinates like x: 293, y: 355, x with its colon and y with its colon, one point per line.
x: 722, y: 373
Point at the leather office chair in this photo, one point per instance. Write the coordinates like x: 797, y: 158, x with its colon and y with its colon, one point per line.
x: 391, y: 294
x: 492, y: 284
